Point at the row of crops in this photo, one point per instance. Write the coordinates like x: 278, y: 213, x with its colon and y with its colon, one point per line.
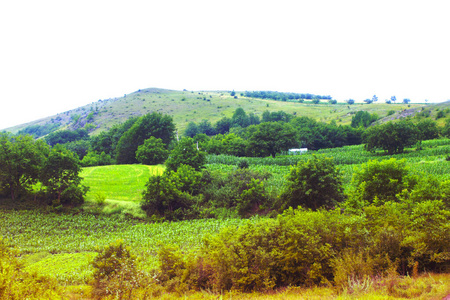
x: 342, y: 156
x: 62, y: 245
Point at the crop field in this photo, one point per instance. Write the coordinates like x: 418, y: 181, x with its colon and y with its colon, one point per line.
x: 68, y: 243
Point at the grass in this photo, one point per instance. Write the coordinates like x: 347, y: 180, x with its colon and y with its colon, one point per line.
x: 118, y: 182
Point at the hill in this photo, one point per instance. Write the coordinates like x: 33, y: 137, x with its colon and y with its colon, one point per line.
x: 189, y: 106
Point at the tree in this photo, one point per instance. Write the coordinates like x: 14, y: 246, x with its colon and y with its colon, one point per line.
x: 60, y: 175
x: 380, y: 181
x: 80, y: 147
x: 21, y: 158
x: 374, y: 98
x: 428, y: 130
x: 445, y: 131
x: 368, y: 101
x: 172, y: 194
x: 406, y: 100
x: 350, y: 101
x: 363, y: 119
x: 313, y: 184
x: 253, y: 119
x: 66, y: 136
x: 205, y: 127
x: 316, y: 101
x: 154, y: 124
x: 223, y: 125
x: 391, y: 137
x: 271, y: 138
x: 239, y: 118
x: 186, y: 152
x: 152, y: 152
x: 107, y: 141
x: 233, y: 145
x: 191, y: 129
x: 393, y: 99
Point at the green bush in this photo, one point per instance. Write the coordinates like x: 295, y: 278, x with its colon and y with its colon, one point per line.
x: 241, y: 189
x: 186, y: 153
x: 297, y: 248
x: 173, y: 194
x: 380, y: 181
x: 313, y: 184
x: 429, y: 236
x: 152, y: 152
x: 252, y: 199
x: 115, y: 271
x: 92, y: 158
x: 17, y: 284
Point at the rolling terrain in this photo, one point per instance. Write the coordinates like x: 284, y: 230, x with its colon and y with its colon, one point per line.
x: 190, y: 106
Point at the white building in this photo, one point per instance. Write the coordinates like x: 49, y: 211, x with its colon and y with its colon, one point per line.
x: 297, y: 151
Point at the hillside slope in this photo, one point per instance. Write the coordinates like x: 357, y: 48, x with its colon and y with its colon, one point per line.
x: 188, y: 106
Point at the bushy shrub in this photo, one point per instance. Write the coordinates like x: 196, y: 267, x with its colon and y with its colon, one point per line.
x: 313, y: 184
x: 380, y: 181
x: 186, y: 153
x: 152, y: 152
x: 304, y: 248
x: 429, y: 236
x: 295, y: 249
x: 241, y: 189
x: 16, y: 284
x: 173, y: 194
x: 252, y: 199
x: 115, y: 271
x: 92, y: 158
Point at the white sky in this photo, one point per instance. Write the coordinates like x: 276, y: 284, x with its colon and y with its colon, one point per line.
x: 58, y: 55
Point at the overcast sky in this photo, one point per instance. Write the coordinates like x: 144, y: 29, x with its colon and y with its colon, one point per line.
x: 59, y: 55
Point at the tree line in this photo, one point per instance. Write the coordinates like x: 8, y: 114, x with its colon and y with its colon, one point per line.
x: 284, y: 96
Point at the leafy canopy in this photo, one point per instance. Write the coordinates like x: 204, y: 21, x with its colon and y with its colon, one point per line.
x: 313, y: 184
x: 154, y: 124
x: 152, y: 152
x: 21, y: 158
x: 186, y: 152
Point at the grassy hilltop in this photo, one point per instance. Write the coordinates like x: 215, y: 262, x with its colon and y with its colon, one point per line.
x: 190, y: 106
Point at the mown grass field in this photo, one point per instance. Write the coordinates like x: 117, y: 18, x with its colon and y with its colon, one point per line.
x: 118, y: 182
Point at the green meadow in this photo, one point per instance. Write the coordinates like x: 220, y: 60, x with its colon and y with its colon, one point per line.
x: 118, y: 182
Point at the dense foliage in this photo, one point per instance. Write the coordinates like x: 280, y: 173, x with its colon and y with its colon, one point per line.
x: 60, y: 175
x: 66, y: 136
x: 283, y: 96
x: 155, y: 124
x: 39, y: 130
x: 21, y: 159
x: 303, y: 247
x: 186, y: 153
x: 313, y: 184
x: 152, y: 152
x: 16, y: 283
x: 391, y: 137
